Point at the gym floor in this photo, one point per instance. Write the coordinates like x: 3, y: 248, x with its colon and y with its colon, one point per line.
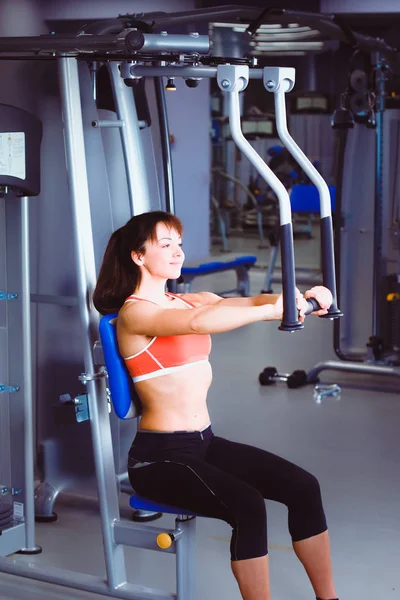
x: 350, y: 444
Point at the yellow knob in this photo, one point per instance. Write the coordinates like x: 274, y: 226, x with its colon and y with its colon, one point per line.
x: 164, y: 540
x: 392, y: 296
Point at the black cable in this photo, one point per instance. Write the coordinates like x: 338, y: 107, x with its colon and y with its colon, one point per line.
x: 262, y: 17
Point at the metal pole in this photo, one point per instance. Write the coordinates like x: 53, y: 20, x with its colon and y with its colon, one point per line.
x: 186, y: 559
x: 165, y: 145
x: 378, y: 210
x: 30, y: 546
x: 181, y: 71
x: 136, y: 173
x: 86, y: 278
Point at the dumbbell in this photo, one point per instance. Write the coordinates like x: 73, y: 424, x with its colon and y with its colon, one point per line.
x: 270, y: 376
x: 298, y: 378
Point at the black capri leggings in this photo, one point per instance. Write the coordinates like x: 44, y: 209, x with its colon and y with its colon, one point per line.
x: 214, y: 477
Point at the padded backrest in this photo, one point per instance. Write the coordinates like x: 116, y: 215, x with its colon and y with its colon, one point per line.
x: 123, y: 394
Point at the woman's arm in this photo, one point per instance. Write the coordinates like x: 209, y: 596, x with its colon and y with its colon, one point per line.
x: 320, y: 293
x: 143, y: 318
x: 210, y: 299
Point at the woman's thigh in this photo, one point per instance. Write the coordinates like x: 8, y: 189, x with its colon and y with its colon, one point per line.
x: 199, y: 487
x: 275, y: 478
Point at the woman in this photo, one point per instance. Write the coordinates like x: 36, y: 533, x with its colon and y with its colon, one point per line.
x: 175, y: 458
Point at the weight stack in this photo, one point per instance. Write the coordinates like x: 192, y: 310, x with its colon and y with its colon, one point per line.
x: 392, y: 341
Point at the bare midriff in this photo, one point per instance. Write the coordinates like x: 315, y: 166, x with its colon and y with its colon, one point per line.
x: 176, y: 401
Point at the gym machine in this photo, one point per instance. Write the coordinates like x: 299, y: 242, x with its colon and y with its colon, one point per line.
x: 20, y: 139
x: 130, y: 46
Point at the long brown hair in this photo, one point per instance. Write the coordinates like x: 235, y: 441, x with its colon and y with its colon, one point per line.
x: 119, y: 276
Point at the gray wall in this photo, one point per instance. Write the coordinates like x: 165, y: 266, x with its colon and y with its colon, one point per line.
x: 191, y: 163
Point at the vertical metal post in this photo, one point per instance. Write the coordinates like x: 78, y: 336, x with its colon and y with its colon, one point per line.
x: 93, y: 68
x: 86, y: 278
x: 186, y: 559
x: 378, y: 209
x: 167, y: 159
x: 311, y: 73
x: 165, y: 145
x: 136, y: 173
x: 30, y: 547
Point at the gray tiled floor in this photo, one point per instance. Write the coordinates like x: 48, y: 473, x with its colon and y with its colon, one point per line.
x: 352, y: 445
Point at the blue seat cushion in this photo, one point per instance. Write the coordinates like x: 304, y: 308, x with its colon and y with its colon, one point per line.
x: 143, y: 504
x: 215, y: 267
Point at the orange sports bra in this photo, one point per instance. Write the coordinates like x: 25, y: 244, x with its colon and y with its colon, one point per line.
x: 167, y: 354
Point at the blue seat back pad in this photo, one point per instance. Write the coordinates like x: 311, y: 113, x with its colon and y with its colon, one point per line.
x: 122, y: 391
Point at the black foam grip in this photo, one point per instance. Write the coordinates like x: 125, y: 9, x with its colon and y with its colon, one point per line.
x: 312, y: 306
x: 290, y: 321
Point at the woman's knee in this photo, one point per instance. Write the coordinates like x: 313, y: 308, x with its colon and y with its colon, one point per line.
x: 309, y: 488
x: 249, y: 539
x: 306, y: 511
x: 251, y: 508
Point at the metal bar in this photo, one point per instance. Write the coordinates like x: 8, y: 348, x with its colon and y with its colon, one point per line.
x: 137, y: 41
x: 366, y: 368
x: 80, y: 581
x: 103, y: 123
x: 93, y: 68
x: 165, y: 145
x: 378, y: 270
x: 62, y: 43
x: 187, y: 71
x: 136, y: 173
x: 290, y: 316
x: 29, y: 491
x: 273, y: 256
x: 274, y: 80
x: 186, y: 559
x: 122, y: 476
x: 341, y: 136
x: 139, y: 536
x: 281, y: 88
x: 86, y: 276
x: 56, y: 300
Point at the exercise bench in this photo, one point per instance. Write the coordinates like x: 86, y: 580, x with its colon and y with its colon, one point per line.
x: 240, y: 264
x: 180, y: 541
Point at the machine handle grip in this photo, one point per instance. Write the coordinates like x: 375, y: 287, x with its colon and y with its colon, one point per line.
x: 313, y: 305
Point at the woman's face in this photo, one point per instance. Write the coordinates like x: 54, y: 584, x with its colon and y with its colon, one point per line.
x: 164, y: 256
